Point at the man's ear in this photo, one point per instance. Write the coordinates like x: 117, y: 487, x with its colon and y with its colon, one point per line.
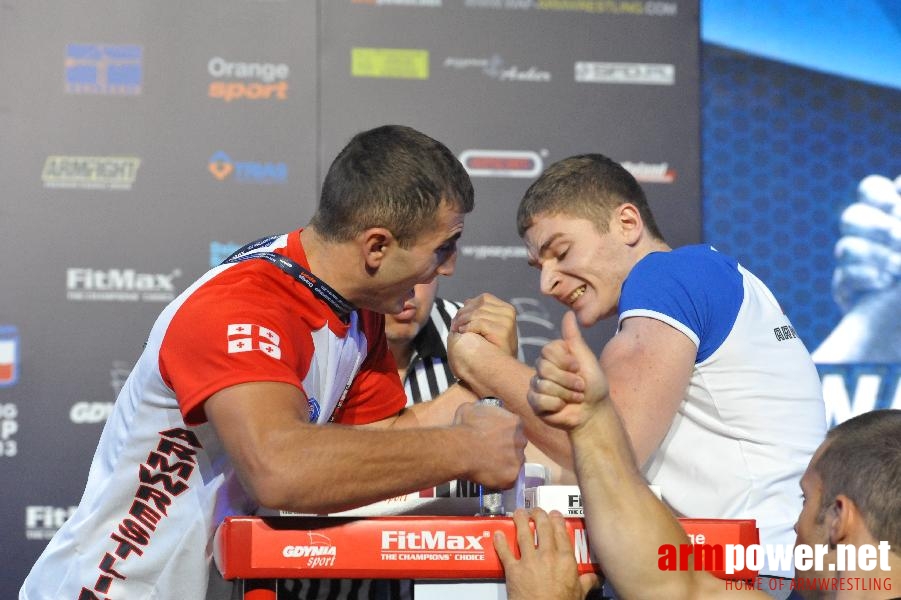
x: 842, y: 519
x: 374, y: 243
x: 627, y: 221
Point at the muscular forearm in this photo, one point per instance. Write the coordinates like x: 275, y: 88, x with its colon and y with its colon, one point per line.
x: 626, y: 522
x: 338, y: 468
x: 437, y: 412
x: 284, y: 462
x: 508, y: 379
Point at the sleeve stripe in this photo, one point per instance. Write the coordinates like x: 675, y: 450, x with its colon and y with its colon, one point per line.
x: 652, y: 314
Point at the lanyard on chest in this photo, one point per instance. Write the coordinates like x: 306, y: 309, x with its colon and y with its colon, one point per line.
x: 341, y: 307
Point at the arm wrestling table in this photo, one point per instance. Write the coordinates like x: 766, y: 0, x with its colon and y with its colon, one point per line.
x: 450, y: 549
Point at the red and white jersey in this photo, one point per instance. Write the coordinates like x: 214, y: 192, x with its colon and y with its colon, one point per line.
x: 160, y: 482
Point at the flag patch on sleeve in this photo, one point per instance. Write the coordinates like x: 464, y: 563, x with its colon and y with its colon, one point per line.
x: 245, y: 337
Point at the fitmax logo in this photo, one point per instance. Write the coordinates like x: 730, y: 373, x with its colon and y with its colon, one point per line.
x: 120, y: 285
x: 430, y: 540
x: 120, y: 279
x: 41, y: 522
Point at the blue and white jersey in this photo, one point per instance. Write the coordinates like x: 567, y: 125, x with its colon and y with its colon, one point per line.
x: 753, y: 413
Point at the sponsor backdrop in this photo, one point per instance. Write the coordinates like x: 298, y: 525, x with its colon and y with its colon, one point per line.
x: 139, y: 145
x: 142, y: 144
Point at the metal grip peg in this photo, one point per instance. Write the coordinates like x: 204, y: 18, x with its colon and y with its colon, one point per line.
x: 491, y: 502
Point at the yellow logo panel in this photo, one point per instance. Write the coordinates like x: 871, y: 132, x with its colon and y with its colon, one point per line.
x: 389, y: 63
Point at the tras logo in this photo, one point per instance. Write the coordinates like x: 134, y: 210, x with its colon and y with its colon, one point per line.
x: 222, y: 167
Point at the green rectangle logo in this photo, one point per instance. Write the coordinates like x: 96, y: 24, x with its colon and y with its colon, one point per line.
x: 390, y: 63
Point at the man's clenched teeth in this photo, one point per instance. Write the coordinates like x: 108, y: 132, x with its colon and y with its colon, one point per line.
x: 577, y: 293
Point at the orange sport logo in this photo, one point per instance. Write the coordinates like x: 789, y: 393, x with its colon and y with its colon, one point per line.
x: 247, y: 80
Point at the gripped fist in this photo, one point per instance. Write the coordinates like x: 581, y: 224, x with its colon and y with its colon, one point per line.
x: 568, y: 382
x: 868, y: 255
x: 497, y: 451
x: 491, y: 318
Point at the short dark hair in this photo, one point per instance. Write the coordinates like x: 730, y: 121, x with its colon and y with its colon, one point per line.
x: 588, y: 186
x: 393, y: 177
x: 862, y: 460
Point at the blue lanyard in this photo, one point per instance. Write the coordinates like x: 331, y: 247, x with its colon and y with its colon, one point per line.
x: 320, y: 289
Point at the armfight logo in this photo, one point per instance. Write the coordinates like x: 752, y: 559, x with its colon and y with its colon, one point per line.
x: 119, y: 285
x: 90, y: 172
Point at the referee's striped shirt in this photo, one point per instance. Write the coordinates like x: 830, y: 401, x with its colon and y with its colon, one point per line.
x: 428, y: 375
x: 429, y: 372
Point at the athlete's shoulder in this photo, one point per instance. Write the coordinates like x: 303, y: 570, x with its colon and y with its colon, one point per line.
x: 694, y: 260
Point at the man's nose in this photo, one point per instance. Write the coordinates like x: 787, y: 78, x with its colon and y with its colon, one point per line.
x: 548, y: 280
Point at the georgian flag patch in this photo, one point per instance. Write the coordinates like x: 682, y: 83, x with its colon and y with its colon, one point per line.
x: 244, y: 337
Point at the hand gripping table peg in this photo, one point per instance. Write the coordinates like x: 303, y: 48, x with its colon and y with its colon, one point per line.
x: 491, y: 502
